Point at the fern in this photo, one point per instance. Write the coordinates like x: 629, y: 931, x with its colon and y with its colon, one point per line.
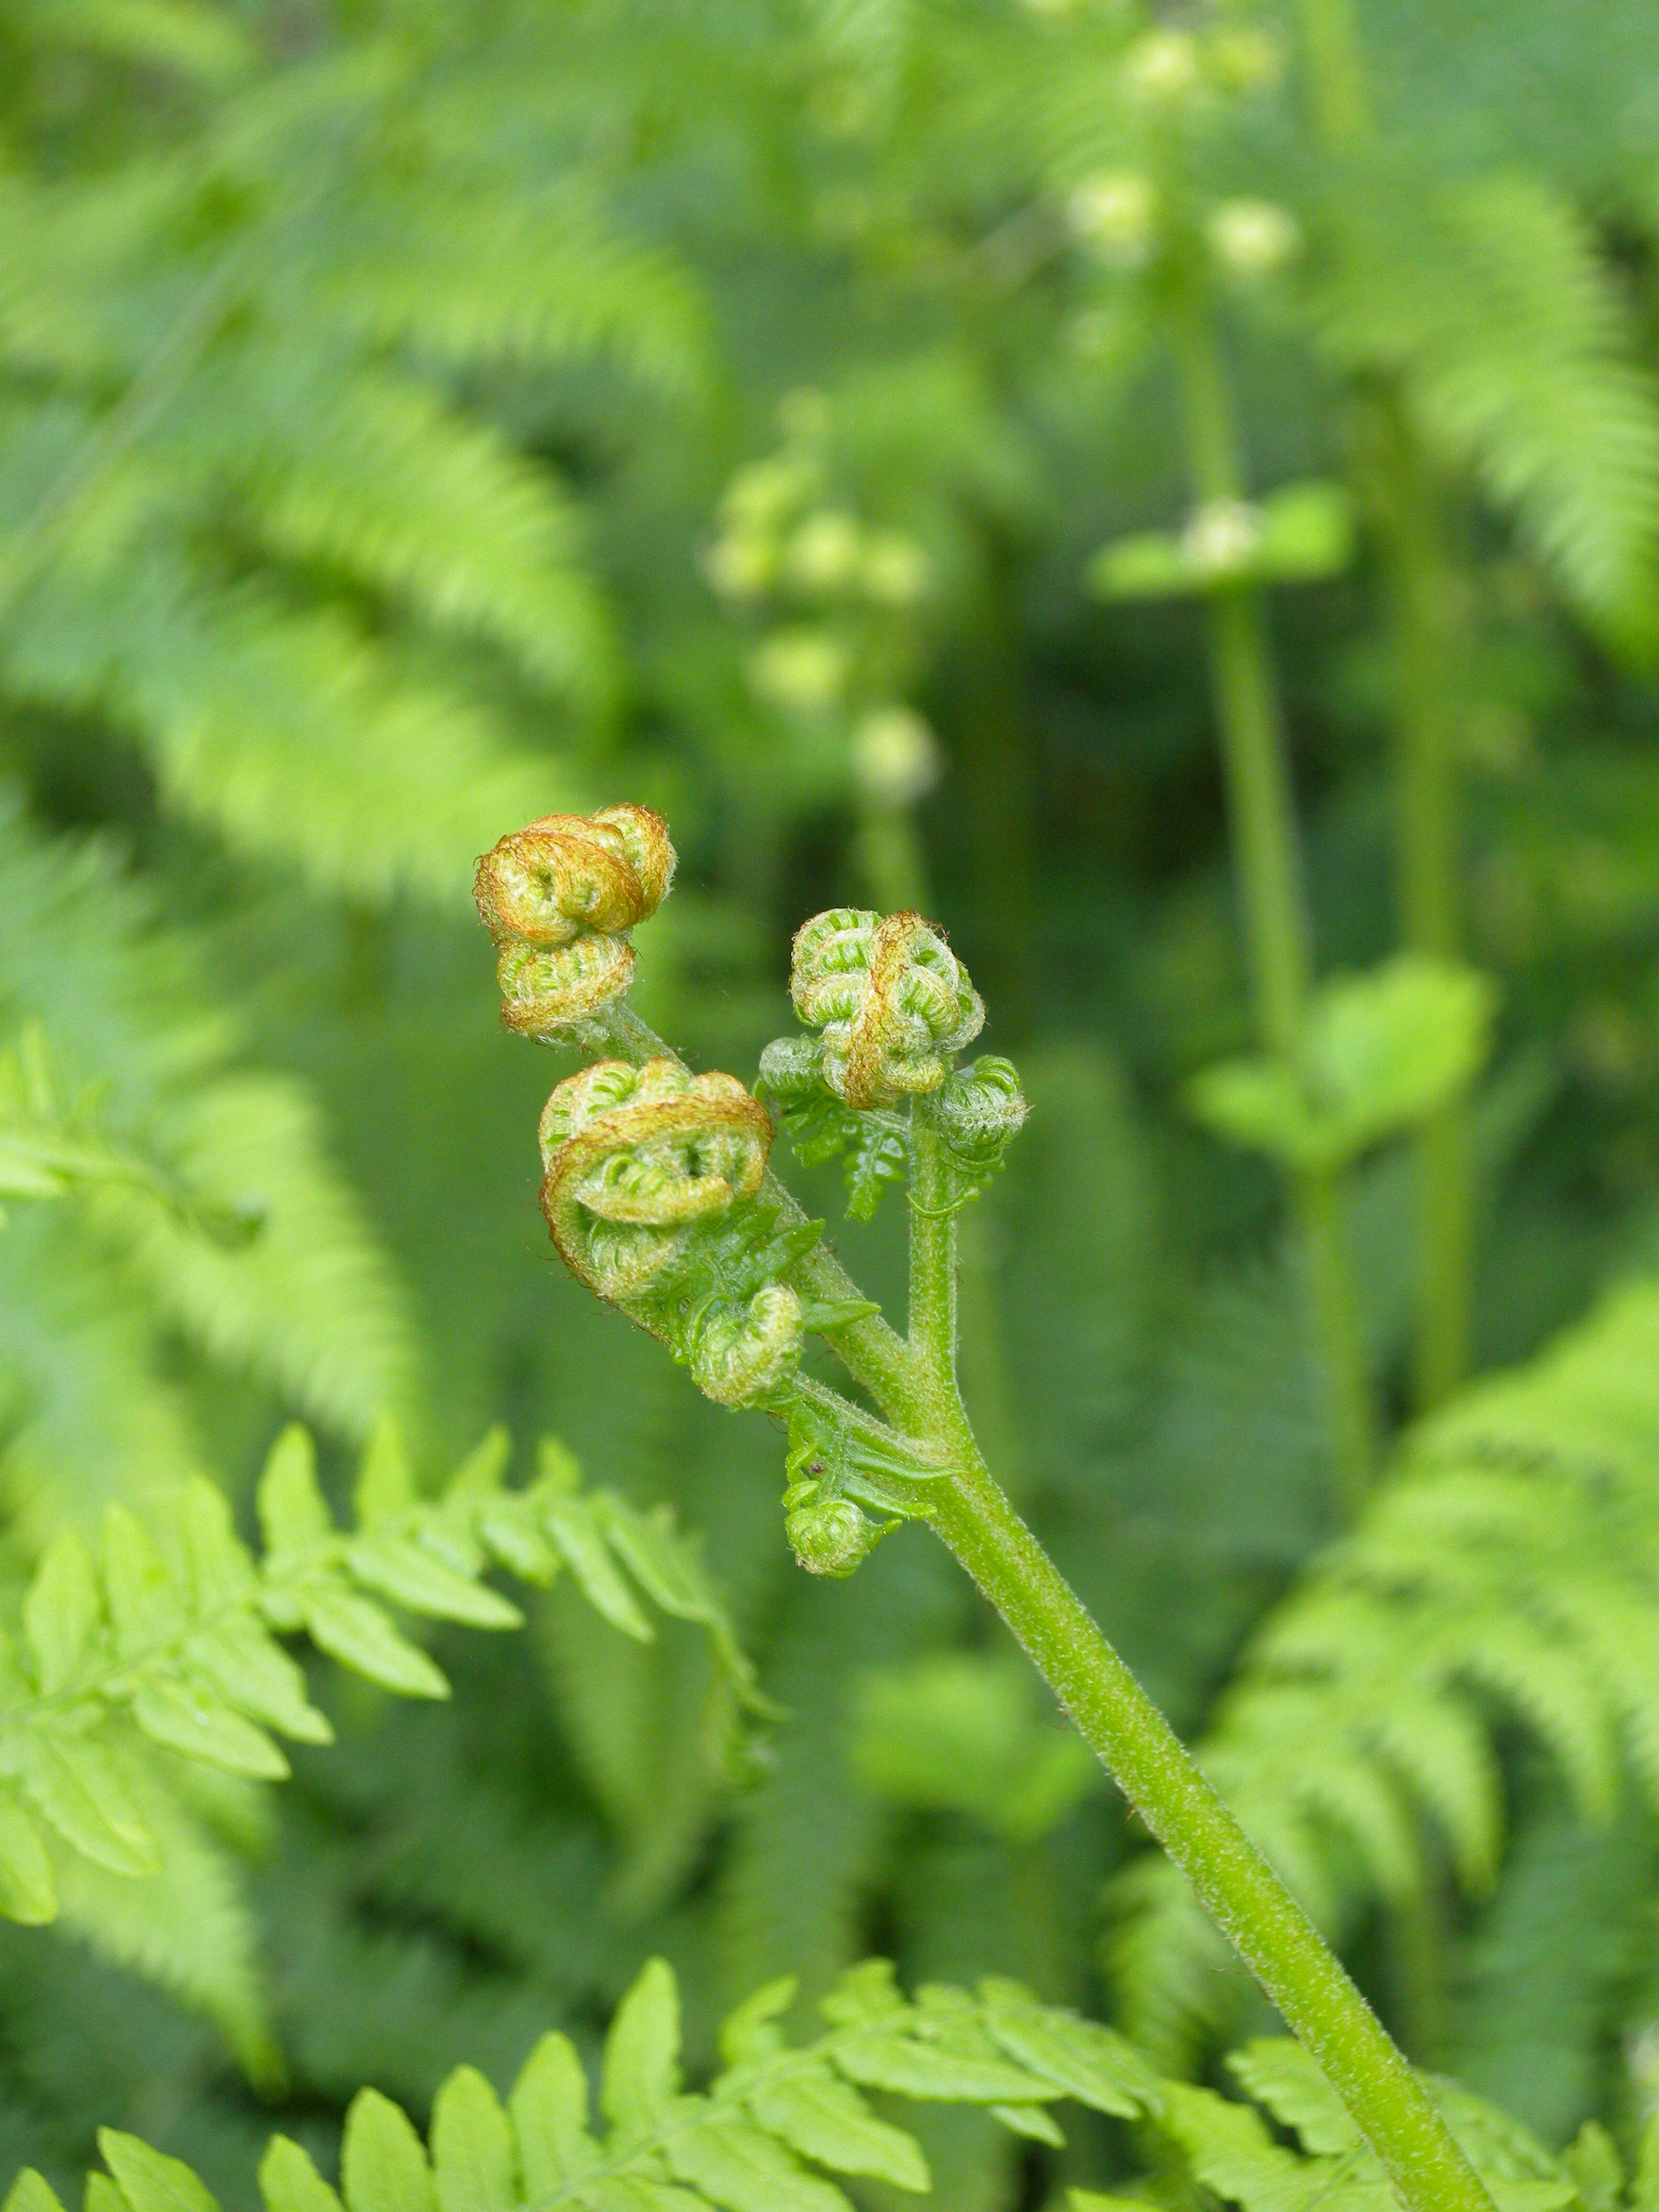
x: 1505, y: 1571
x: 780, y: 2116
x: 245, y: 519
x: 190, y: 1194
x: 169, y: 1630
x: 1496, y: 304
x: 756, y: 2140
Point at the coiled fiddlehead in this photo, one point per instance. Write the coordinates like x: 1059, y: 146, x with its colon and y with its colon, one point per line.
x: 559, y: 897
x: 978, y: 1110
x: 643, y: 1164
x: 828, y: 1535
x: 635, y: 1157
x: 741, y: 1353
x: 892, y: 1000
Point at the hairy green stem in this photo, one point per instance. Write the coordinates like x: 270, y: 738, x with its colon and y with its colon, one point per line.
x: 1276, y: 930
x: 1270, y: 1931
x: 932, y: 1248
x: 1272, y: 1934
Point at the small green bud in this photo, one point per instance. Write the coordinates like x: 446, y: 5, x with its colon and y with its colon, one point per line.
x: 804, y: 671
x: 791, y: 1067
x: 1221, y: 538
x: 741, y: 1354
x: 827, y: 1535
x: 1164, y: 66
x: 896, y: 757
x: 1253, y: 238
x: 825, y: 553
x: 1115, y: 216
x: 741, y: 565
x: 979, y: 1108
x: 896, y: 572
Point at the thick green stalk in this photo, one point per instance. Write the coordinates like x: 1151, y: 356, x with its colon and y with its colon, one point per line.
x: 1275, y: 906
x: 1270, y: 1931
x: 1263, y: 1922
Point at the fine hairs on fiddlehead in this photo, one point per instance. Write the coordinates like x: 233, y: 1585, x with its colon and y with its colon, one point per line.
x: 559, y: 898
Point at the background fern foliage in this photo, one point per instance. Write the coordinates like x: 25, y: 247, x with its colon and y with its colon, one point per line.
x: 804, y: 416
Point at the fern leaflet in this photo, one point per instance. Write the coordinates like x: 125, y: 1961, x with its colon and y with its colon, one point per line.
x: 170, y: 1629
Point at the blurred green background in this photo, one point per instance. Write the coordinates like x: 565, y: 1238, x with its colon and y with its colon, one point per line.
x: 418, y: 416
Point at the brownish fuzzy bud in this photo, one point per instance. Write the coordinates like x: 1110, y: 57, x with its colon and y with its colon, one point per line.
x: 559, y: 897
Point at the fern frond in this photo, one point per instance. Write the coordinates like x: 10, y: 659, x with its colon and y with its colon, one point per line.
x: 527, y: 273
x: 171, y: 1628
x: 188, y: 1927
x: 1493, y: 301
x: 1507, y: 1571
x: 93, y: 1418
x: 287, y: 731
x: 193, y: 42
x: 250, y: 1146
x: 198, y: 1197
x: 413, y: 499
x: 776, y: 2118
x: 1551, y: 1966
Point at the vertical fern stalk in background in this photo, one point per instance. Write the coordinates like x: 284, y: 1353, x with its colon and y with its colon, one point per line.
x: 1270, y: 876
x: 1398, y: 486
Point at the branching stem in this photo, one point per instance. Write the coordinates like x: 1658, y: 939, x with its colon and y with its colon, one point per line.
x: 1138, y: 1748
x: 911, y: 1381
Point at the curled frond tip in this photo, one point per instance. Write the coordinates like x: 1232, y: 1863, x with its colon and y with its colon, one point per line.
x: 559, y: 897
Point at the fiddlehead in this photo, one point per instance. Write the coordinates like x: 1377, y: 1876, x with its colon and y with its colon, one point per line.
x: 559, y: 898
x: 633, y: 1156
x: 644, y: 1167
x: 892, y: 1000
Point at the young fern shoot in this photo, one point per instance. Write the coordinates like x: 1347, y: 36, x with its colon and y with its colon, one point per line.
x: 658, y: 1195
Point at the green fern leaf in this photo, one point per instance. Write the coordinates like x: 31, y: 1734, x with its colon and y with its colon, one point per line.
x: 1508, y: 1557
x: 1493, y: 301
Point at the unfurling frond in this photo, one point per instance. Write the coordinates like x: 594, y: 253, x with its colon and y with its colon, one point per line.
x: 892, y: 1000
x: 559, y: 899
x: 169, y: 1629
